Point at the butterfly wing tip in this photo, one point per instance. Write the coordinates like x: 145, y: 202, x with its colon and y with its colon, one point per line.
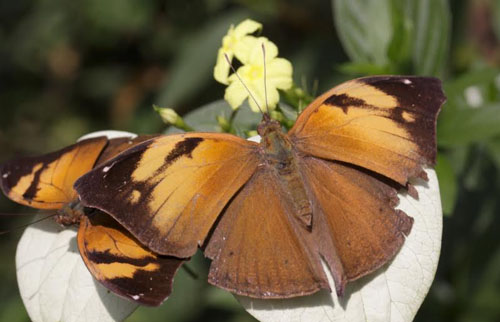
x: 145, y: 300
x: 412, y: 191
x: 405, y: 222
x: 340, y: 289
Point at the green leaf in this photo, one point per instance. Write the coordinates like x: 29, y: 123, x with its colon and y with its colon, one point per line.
x: 447, y: 184
x: 364, y: 28
x: 117, y: 15
x: 470, y: 125
x: 455, y: 93
x: 362, y: 69
x: 496, y: 18
x: 196, y: 59
x: 480, y: 76
x: 395, y: 32
x: 493, y: 148
x: 401, y: 44
x: 432, y: 21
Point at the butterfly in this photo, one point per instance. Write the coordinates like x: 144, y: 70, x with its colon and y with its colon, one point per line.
x: 268, y: 214
x: 112, y: 255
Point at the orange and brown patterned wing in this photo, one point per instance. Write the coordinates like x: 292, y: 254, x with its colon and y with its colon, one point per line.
x: 46, y: 182
x: 169, y: 191
x: 119, y: 262
x: 386, y: 124
x: 354, y: 209
x: 118, y: 145
x: 258, y: 248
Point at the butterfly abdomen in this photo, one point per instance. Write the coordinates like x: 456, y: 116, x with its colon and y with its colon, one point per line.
x: 279, y: 156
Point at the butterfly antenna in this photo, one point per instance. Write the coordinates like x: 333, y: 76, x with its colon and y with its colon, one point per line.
x: 28, y: 224
x: 243, y: 83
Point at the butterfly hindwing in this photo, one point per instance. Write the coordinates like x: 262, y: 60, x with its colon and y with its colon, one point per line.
x: 356, y: 211
x: 386, y: 124
x: 122, y: 264
x: 257, y: 248
x: 169, y: 191
x: 46, y: 182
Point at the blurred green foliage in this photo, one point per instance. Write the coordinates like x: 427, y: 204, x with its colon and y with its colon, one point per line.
x: 70, y: 67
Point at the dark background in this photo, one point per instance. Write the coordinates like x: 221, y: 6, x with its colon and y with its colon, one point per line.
x: 71, y: 67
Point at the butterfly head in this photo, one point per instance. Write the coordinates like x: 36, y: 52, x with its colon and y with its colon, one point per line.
x: 70, y: 214
x: 268, y: 125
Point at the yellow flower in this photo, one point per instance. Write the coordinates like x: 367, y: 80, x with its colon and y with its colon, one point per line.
x: 278, y: 76
x: 234, y: 43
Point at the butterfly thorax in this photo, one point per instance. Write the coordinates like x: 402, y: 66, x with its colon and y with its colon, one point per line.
x: 70, y: 214
x: 279, y: 156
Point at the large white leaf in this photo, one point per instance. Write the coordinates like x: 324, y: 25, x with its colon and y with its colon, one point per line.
x: 53, y: 280
x: 394, y: 293
x: 54, y: 283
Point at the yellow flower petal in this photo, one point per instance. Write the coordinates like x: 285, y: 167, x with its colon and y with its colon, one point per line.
x: 256, y: 55
x: 221, y: 69
x: 279, y: 73
x: 235, y: 94
x: 279, y: 76
x: 249, y: 50
x: 247, y: 26
x: 230, y: 45
x: 258, y: 92
x: 244, y: 48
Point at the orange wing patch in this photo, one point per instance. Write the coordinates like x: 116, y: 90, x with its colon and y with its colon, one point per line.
x: 385, y: 124
x: 46, y: 182
x: 172, y: 188
x: 117, y: 260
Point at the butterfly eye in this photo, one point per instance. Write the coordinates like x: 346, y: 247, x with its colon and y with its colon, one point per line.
x: 282, y: 165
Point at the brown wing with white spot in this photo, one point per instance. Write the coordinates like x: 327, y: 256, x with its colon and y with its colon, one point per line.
x: 169, y: 191
x: 386, y: 124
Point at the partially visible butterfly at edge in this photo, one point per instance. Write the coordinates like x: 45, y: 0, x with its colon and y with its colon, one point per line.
x: 112, y: 255
x: 267, y: 214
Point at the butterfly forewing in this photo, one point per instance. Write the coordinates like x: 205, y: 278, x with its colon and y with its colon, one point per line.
x: 258, y: 249
x: 386, y: 124
x: 113, y: 256
x: 169, y: 191
x: 46, y: 182
x: 122, y: 264
x: 117, y: 145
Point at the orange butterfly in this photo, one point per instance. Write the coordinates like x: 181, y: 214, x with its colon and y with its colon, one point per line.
x: 268, y: 213
x: 112, y: 255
